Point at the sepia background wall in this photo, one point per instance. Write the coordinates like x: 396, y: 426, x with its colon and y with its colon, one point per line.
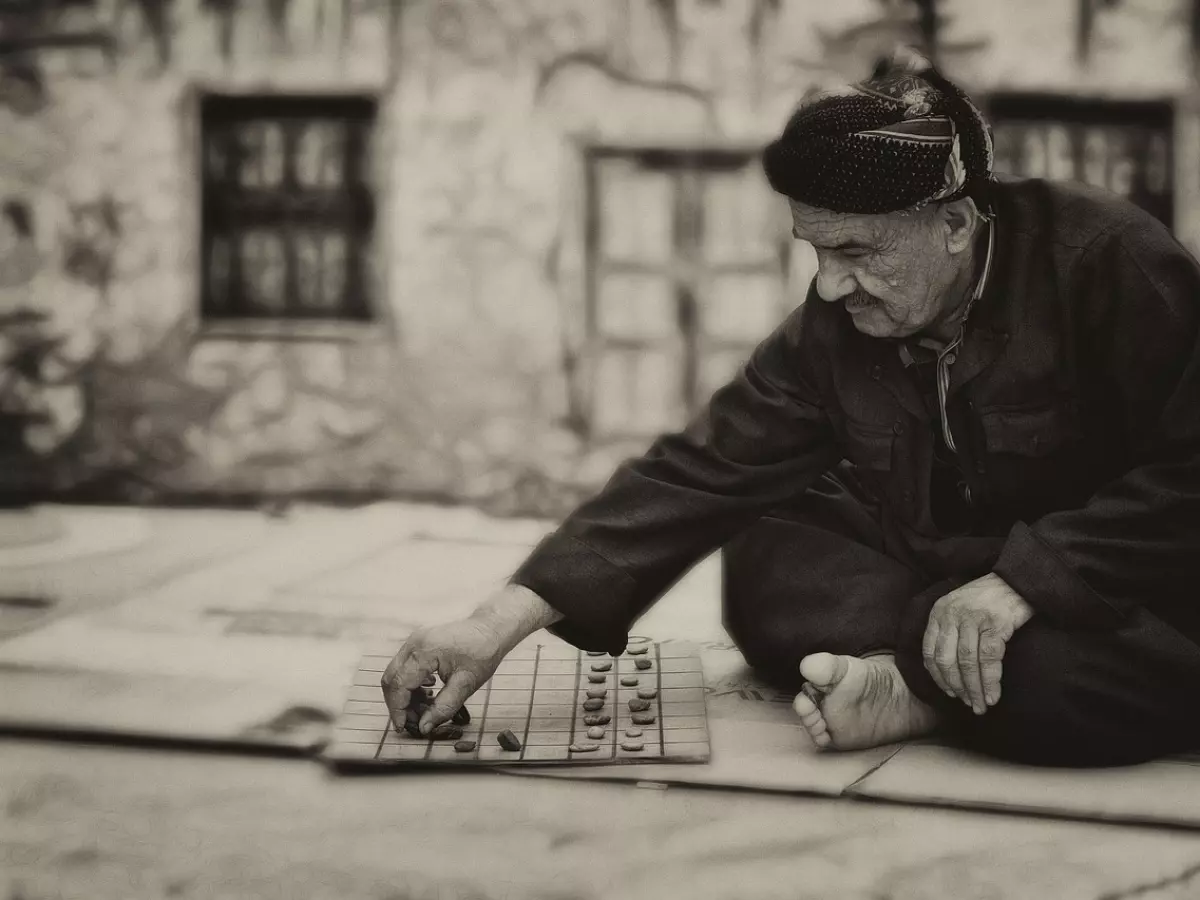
x: 472, y: 250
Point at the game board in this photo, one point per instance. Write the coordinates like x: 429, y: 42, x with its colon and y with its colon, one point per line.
x: 539, y: 693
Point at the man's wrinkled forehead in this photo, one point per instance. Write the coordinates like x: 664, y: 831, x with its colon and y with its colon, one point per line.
x: 827, y: 230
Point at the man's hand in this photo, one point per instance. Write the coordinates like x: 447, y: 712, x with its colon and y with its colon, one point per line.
x: 465, y: 653
x: 965, y: 639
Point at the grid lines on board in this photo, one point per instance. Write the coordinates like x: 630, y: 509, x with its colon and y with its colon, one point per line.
x: 538, y: 692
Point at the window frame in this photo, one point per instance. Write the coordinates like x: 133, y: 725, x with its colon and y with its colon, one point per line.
x: 226, y: 208
x: 687, y: 168
x: 1077, y: 113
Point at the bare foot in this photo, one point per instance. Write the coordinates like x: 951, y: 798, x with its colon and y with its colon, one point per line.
x: 851, y: 704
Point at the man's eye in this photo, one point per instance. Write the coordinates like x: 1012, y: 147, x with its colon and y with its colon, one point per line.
x: 855, y: 253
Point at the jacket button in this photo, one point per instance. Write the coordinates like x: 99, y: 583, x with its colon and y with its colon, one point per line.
x: 908, y: 496
x: 876, y: 372
x: 898, y: 428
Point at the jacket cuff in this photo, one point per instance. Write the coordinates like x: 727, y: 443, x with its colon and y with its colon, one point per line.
x: 1036, y: 571
x: 598, y: 601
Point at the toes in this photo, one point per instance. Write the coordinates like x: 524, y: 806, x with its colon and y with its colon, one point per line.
x: 804, y: 706
x: 824, y: 670
x: 811, y: 717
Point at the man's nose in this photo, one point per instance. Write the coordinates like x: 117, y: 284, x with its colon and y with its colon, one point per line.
x: 833, y: 281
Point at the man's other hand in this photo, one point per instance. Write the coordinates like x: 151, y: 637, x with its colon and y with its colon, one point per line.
x: 965, y: 639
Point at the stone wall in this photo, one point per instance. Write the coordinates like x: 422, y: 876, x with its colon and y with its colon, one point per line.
x: 467, y: 384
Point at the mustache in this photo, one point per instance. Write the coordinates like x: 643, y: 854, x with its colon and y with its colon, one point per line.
x: 859, y: 298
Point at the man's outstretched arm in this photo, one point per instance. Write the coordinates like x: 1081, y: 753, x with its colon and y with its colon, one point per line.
x: 762, y: 438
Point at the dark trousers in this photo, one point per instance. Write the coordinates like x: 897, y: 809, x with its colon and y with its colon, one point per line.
x: 833, y: 573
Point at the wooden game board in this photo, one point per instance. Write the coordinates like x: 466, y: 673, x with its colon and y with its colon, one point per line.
x: 538, y: 693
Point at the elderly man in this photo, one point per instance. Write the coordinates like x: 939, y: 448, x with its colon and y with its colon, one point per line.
x: 957, y: 489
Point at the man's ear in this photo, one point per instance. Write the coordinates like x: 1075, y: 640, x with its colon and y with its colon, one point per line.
x: 960, y: 220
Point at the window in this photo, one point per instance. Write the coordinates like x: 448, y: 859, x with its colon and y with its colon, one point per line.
x: 1123, y: 146
x: 688, y: 269
x: 287, y: 210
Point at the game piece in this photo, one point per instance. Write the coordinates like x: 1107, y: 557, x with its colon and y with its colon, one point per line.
x: 633, y: 745
x: 597, y: 678
x: 648, y: 693
x: 633, y: 732
x: 597, y: 719
x: 638, y: 650
x: 584, y: 748
x: 508, y: 740
x: 638, y: 705
x: 462, y: 717
x: 596, y: 653
x: 446, y: 732
x: 597, y: 693
x: 464, y: 746
x: 412, y: 718
x: 643, y: 718
x: 630, y: 680
x: 595, y: 732
x: 642, y: 663
x: 428, y: 681
x: 593, y: 704
x: 602, y: 666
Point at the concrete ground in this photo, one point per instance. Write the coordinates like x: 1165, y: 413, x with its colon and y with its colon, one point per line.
x: 87, y: 820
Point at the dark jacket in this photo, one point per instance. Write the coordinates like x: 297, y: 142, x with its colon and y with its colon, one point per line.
x: 1077, y: 390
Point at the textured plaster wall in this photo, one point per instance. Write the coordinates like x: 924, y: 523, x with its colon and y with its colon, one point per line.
x: 462, y: 387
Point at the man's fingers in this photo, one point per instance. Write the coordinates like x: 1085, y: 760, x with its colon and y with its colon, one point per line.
x: 991, y: 665
x: 929, y: 654
x: 403, y: 676
x: 449, y: 700
x: 946, y: 657
x: 968, y: 666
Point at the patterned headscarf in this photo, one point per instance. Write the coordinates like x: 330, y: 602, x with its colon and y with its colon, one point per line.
x: 899, y: 141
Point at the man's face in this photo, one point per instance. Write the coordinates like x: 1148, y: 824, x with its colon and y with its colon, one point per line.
x: 894, y: 273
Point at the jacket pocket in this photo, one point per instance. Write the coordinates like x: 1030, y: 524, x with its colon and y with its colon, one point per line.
x: 1029, y: 431
x: 870, y: 446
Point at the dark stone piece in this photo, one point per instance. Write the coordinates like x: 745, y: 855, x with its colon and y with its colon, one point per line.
x: 638, y: 650
x: 643, y: 718
x: 630, y: 680
x: 597, y: 719
x: 593, y: 704
x: 508, y: 740
x: 462, y: 717
x: 464, y: 746
x: 638, y: 705
x: 642, y: 663
x: 446, y: 732
x: 597, y: 678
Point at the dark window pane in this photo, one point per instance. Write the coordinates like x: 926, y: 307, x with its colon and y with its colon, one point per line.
x: 320, y: 155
